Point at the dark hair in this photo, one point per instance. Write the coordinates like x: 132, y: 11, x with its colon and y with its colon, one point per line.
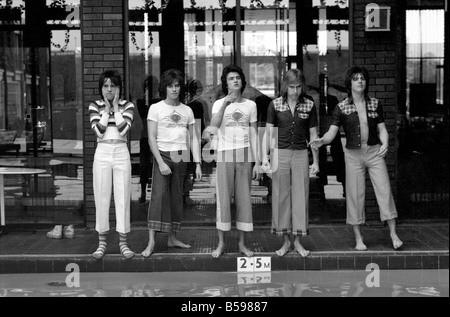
x: 291, y: 76
x: 232, y: 69
x: 349, y: 77
x: 192, y: 87
x: 149, y: 83
x: 168, y: 78
x: 115, y: 78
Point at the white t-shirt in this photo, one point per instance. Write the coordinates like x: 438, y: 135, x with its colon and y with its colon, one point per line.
x: 173, y: 122
x: 234, y: 132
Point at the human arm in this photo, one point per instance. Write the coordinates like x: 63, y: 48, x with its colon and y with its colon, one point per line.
x: 217, y: 118
x: 99, y: 122
x: 194, y: 132
x: 254, y: 140
x: 326, y: 139
x: 125, y: 119
x: 315, y: 152
x: 383, y: 134
x: 267, y: 144
x: 152, y: 129
x: 268, y: 141
x: 384, y: 138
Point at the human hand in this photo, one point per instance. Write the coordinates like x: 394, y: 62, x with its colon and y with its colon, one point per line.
x: 198, y: 173
x: 382, y: 151
x: 165, y: 169
x: 230, y: 98
x: 116, y: 100
x: 316, y: 144
x: 107, y: 103
x: 314, y: 169
x: 256, y: 172
x: 265, y: 168
x: 206, y: 136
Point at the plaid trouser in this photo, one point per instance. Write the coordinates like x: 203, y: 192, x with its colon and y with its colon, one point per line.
x: 165, y: 211
x: 234, y: 177
x: 290, y: 192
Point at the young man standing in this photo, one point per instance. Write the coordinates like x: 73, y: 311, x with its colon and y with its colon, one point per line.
x: 235, y: 118
x: 295, y: 118
x: 171, y: 135
x: 366, y: 147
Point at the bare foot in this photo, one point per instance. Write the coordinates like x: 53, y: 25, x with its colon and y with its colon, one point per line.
x: 300, y: 249
x: 304, y: 253
x: 246, y: 251
x: 360, y: 246
x: 175, y: 243
x: 218, y: 252
x: 284, y: 249
x: 396, y: 242
x: 149, y: 250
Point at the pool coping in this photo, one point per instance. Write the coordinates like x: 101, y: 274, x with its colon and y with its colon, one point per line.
x: 179, y: 262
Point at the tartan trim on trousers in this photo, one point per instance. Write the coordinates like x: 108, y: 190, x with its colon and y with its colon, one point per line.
x: 164, y: 226
x: 283, y: 232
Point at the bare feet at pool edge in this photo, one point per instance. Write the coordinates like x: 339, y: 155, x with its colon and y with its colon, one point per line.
x: 218, y: 252
x: 246, y: 251
x: 396, y: 242
x: 284, y: 250
x: 148, y: 250
x: 175, y: 243
x: 360, y: 246
x: 301, y: 250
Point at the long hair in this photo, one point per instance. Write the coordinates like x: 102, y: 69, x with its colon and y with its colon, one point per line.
x: 168, y: 78
x: 232, y: 69
x: 349, y: 77
x: 115, y: 78
x: 293, y: 76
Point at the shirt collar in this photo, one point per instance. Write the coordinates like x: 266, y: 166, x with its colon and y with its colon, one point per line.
x: 297, y: 105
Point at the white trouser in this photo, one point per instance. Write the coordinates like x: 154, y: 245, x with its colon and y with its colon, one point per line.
x: 112, y: 162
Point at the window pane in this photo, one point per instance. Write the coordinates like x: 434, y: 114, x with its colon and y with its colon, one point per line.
x: 425, y: 52
x: 41, y: 121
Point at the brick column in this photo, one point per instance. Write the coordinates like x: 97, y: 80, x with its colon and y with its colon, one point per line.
x: 103, y: 48
x: 381, y: 53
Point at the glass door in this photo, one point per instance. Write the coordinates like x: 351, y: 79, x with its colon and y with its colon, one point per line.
x: 325, y: 59
x: 262, y: 37
x: 40, y: 112
x: 210, y: 45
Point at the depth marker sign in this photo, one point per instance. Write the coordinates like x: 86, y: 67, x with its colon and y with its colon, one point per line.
x: 254, y: 264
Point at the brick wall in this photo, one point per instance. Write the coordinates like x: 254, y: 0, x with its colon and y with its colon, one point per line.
x: 103, y: 45
x: 381, y: 53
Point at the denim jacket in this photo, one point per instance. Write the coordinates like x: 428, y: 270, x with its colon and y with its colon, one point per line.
x: 345, y: 114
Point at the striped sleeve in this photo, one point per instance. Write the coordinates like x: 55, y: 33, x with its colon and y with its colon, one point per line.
x: 125, y: 119
x: 98, y: 121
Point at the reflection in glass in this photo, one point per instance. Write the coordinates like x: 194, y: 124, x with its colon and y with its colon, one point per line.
x: 40, y: 118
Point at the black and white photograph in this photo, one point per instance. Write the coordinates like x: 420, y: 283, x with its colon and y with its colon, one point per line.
x: 224, y: 156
